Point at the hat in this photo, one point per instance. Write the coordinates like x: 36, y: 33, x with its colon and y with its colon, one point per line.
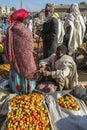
x: 19, y: 14
x: 62, y: 48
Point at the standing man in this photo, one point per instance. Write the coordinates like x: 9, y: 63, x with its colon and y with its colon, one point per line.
x: 30, y: 23
x: 50, y: 32
x: 74, y: 28
x: 5, y: 25
x: 60, y: 29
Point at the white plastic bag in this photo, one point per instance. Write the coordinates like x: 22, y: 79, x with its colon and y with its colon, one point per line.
x: 65, y: 119
x: 3, y: 83
x: 81, y: 93
x: 5, y: 96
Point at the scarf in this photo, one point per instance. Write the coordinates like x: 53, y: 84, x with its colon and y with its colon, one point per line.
x: 19, y: 50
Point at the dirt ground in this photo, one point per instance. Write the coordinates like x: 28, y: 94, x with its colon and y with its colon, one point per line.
x: 83, y: 71
x: 82, y: 77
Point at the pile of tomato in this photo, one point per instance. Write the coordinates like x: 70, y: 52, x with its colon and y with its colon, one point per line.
x: 68, y: 102
x: 28, y: 113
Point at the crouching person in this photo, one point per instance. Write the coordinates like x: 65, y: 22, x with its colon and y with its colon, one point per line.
x: 63, y: 70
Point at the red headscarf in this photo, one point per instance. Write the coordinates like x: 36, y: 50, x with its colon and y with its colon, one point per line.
x: 19, y: 14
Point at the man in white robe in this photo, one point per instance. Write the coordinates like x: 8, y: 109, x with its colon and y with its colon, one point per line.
x: 61, y: 31
x: 64, y: 70
x: 77, y: 28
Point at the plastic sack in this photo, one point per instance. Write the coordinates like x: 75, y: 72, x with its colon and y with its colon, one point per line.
x: 65, y: 119
x: 81, y: 93
x: 3, y: 83
x: 4, y: 107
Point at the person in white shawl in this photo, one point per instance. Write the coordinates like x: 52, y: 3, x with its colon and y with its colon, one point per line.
x: 60, y: 28
x: 64, y: 70
x: 76, y: 25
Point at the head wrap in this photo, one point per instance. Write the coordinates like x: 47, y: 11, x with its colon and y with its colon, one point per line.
x: 62, y: 48
x: 75, y: 9
x: 19, y: 15
x: 49, y: 7
x: 56, y: 15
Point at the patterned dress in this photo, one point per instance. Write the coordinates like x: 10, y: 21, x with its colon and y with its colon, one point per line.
x: 19, y: 52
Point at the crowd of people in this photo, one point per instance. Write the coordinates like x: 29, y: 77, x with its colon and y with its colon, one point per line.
x: 60, y: 41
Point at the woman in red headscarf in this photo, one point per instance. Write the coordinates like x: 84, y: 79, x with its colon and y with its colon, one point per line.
x: 19, y: 52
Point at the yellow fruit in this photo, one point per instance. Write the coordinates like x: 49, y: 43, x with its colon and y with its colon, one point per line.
x: 29, y: 112
x: 1, y: 48
x: 68, y: 102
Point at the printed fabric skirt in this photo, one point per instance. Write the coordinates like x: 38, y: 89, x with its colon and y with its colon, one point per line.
x: 19, y: 84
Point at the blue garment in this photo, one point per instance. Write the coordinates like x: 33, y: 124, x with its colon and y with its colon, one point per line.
x: 19, y: 84
x: 4, y: 27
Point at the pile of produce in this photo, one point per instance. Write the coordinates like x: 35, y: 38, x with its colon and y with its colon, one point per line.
x: 1, y: 48
x: 4, y: 70
x: 28, y: 112
x: 38, y: 45
x: 68, y: 102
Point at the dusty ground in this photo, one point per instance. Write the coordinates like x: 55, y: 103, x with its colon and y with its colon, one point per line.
x: 83, y: 72
x: 83, y: 77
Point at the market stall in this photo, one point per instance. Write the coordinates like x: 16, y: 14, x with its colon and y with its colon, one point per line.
x: 4, y: 75
x: 39, y: 111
